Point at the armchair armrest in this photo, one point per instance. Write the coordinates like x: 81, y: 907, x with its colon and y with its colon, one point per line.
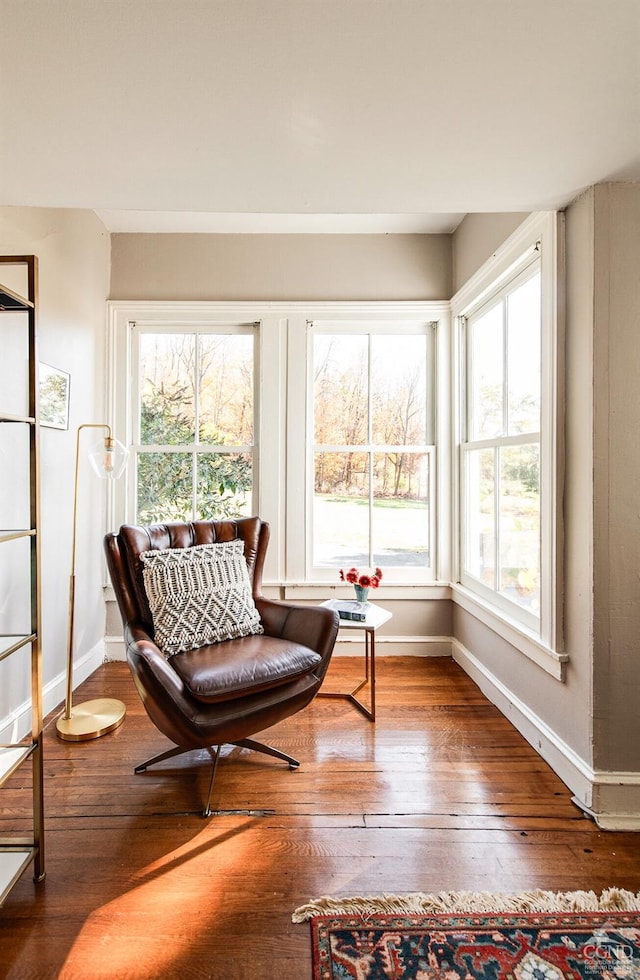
x: 312, y: 626
x: 161, y: 689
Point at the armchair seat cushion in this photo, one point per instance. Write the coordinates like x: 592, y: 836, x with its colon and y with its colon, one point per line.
x: 240, y: 667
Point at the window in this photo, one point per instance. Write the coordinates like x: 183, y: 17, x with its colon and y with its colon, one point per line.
x: 193, y: 402
x: 501, y: 456
x: 508, y: 431
x: 318, y: 416
x: 373, y: 453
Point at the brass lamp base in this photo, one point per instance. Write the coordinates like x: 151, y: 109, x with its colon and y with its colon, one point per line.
x: 91, y: 720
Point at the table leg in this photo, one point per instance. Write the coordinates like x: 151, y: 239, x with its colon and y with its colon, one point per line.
x: 369, y: 678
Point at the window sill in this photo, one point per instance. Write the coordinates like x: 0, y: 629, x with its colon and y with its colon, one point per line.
x: 319, y: 591
x: 515, y: 633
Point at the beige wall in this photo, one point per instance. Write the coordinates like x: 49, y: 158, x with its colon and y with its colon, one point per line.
x: 595, y: 714
x: 578, y: 481
x: 280, y: 267
x: 475, y: 240
x: 616, y: 211
x: 73, y: 251
x: 561, y: 706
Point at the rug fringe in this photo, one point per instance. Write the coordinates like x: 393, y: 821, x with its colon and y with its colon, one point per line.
x: 611, y: 900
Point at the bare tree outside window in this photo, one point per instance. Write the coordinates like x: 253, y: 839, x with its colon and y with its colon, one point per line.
x: 373, y: 433
x: 196, y: 410
x: 501, y: 547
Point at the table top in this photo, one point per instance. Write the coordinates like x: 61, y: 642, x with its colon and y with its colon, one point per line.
x: 376, y: 616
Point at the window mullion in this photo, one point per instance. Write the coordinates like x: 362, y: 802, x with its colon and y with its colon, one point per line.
x: 194, y: 482
x: 196, y: 389
x: 468, y: 406
x: 133, y: 433
x: 497, y: 524
x: 505, y: 369
x: 521, y: 439
x: 370, y: 447
x: 196, y: 427
x: 371, y: 499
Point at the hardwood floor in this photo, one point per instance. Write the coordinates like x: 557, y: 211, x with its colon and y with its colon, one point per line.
x: 440, y: 794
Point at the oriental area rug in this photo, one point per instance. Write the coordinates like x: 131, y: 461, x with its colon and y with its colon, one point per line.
x: 537, y: 935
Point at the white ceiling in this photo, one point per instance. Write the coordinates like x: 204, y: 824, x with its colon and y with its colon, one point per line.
x: 314, y: 115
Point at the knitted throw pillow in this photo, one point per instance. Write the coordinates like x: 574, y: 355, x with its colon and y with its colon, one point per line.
x: 199, y: 595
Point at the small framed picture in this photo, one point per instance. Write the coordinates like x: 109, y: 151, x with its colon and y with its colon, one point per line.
x: 54, y: 386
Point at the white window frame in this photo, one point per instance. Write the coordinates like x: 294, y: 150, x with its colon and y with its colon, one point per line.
x: 300, y: 479
x: 270, y: 471
x: 402, y: 575
x: 530, y: 267
x: 281, y: 480
x: 541, y: 233
x: 195, y: 448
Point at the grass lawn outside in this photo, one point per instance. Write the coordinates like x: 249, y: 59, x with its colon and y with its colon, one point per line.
x: 341, y: 531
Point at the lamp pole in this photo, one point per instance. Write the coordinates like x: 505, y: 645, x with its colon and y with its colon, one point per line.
x: 102, y: 715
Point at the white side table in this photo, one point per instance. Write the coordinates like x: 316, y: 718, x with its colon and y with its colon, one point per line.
x: 376, y: 617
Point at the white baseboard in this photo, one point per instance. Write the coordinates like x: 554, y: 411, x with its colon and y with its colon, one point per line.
x: 351, y: 644
x: 115, y: 648
x: 18, y: 724
x: 616, y: 800
x: 611, y: 798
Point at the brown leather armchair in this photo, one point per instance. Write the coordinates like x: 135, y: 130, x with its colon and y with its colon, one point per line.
x: 224, y: 692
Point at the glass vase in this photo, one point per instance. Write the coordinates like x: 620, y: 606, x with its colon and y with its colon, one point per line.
x: 362, y: 595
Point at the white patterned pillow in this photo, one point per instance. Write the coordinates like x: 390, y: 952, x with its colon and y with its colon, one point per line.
x: 199, y: 595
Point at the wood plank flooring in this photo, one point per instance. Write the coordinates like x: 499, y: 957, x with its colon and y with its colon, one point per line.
x: 440, y: 794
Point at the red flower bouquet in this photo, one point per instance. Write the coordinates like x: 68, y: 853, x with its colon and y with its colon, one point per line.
x: 365, y: 579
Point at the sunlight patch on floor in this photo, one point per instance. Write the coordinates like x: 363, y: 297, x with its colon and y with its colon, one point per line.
x: 179, y: 894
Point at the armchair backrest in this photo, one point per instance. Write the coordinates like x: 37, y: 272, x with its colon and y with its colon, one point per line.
x: 124, y: 548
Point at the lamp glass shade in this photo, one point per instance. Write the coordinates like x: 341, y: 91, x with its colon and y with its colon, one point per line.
x: 108, y: 458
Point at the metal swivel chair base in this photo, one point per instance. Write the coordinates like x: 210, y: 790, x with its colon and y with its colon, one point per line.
x: 214, y: 752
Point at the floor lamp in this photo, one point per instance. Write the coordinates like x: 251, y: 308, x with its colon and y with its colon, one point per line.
x: 92, y: 718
